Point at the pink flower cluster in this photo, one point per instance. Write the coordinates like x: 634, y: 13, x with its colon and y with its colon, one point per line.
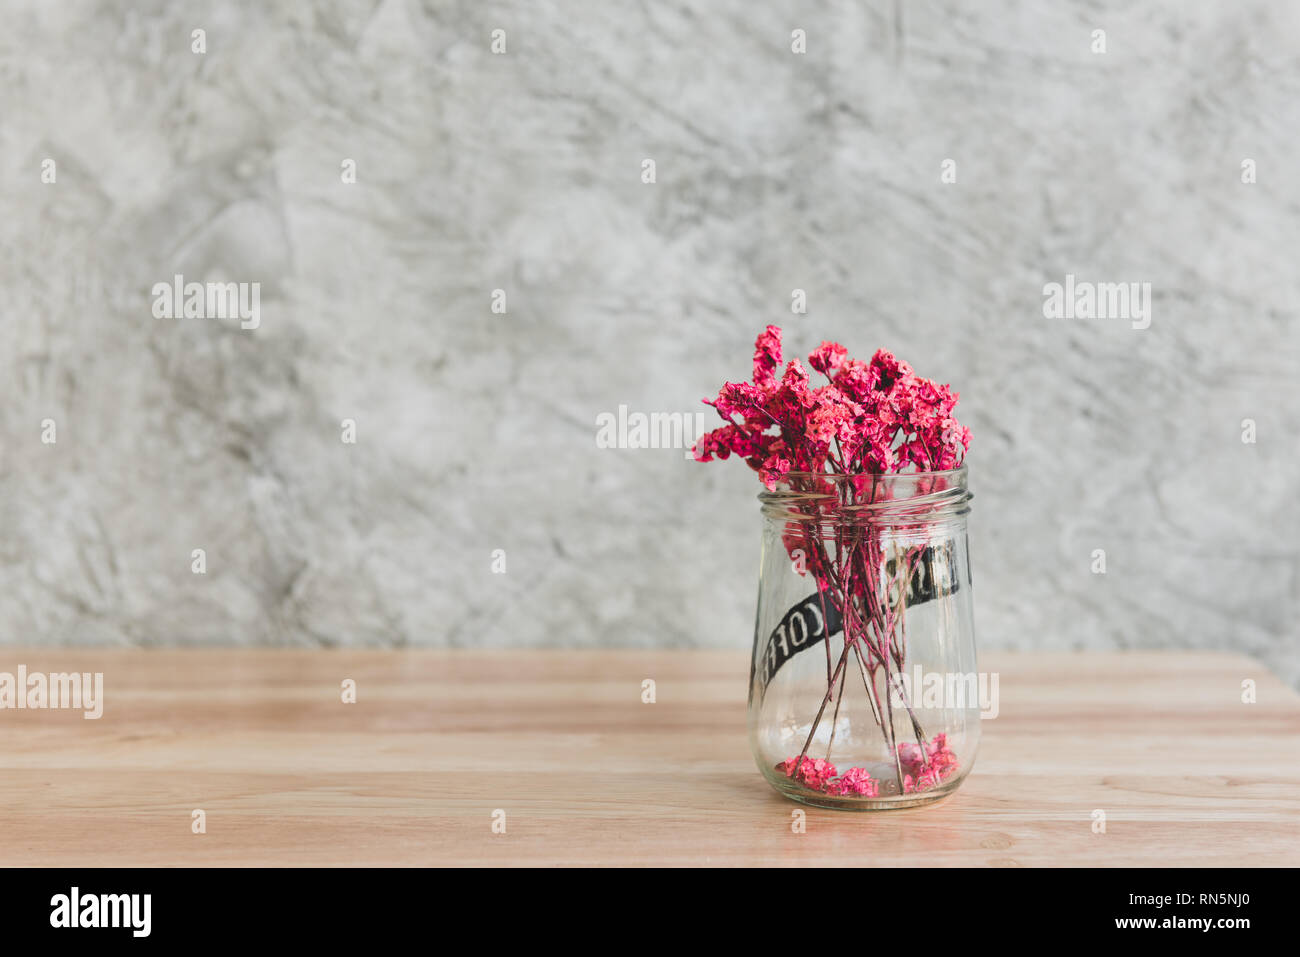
x: 869, y: 418
x: 820, y: 775
x: 856, y: 782
x: 924, y: 768
x: 812, y: 773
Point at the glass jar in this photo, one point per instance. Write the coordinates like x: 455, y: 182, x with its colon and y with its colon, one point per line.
x: 863, y: 688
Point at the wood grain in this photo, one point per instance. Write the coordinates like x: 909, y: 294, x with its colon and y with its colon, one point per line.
x: 587, y: 774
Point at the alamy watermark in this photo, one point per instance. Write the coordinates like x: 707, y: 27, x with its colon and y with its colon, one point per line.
x: 179, y: 299
x: 650, y: 430
x: 74, y: 690
x: 953, y: 690
x: 75, y: 909
x: 1076, y: 299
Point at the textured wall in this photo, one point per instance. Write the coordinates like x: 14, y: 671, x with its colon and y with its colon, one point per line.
x: 523, y: 171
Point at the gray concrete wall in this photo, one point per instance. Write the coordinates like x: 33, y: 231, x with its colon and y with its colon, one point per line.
x: 522, y: 171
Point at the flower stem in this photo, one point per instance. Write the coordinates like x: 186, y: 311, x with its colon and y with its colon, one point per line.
x: 820, y: 711
x: 835, y: 716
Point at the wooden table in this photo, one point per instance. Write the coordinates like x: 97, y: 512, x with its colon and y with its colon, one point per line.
x: 288, y: 774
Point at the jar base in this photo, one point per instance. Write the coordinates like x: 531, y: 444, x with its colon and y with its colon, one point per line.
x: 848, y: 803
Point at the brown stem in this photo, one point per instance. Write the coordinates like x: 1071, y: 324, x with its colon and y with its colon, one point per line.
x: 893, y: 738
x: 902, y: 693
x: 820, y: 711
x: 867, y: 683
x: 835, y: 715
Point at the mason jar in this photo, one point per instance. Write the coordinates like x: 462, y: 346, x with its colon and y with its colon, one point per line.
x: 864, y: 691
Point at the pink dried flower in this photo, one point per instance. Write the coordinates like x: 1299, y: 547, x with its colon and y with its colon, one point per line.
x: 856, y: 379
x: 834, y: 418
x: 794, y: 385
x: 713, y: 445
x: 721, y: 443
x: 872, y: 418
x: 855, y: 781
x: 740, y: 398
x: 926, y: 768
x: 812, y: 773
x: 922, y: 782
x: 827, y: 357
x: 910, y: 756
x: 773, y: 470
x: 889, y: 369
x: 767, y: 356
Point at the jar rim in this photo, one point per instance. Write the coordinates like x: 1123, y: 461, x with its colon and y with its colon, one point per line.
x: 893, y: 494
